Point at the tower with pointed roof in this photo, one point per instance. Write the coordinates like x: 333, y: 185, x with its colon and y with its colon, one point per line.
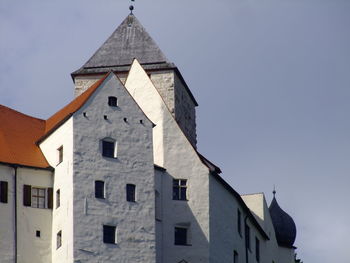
x: 131, y: 41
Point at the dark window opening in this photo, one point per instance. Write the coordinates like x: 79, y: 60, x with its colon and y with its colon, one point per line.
x: 3, y: 192
x: 247, y: 236
x: 58, y: 198
x: 108, y: 149
x: 109, y: 234
x: 112, y: 101
x: 37, y: 233
x: 180, y: 236
x: 60, y: 155
x: 130, y: 192
x: 257, y: 249
x: 239, y: 222
x: 179, y: 189
x: 59, y: 240
x: 235, y: 256
x: 99, y: 189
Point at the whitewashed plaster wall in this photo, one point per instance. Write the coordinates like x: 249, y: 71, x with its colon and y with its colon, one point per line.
x: 135, y: 222
x: 63, y: 181
x: 7, y: 215
x: 173, y: 151
x: 31, y: 248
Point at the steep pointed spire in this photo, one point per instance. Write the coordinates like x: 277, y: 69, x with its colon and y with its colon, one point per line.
x: 130, y: 40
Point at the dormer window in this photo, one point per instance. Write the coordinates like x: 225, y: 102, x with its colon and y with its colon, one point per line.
x: 112, y: 101
x: 109, y: 148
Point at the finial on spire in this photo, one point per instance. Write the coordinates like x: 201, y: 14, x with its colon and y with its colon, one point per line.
x: 131, y: 7
x: 274, y: 191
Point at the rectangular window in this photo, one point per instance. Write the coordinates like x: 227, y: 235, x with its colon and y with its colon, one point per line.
x: 257, y: 249
x: 38, y: 197
x: 59, y: 239
x: 112, y: 101
x: 239, y: 222
x: 99, y: 189
x: 108, y: 149
x: 181, y: 236
x: 3, y: 192
x: 247, y: 236
x: 58, y: 198
x: 37, y: 233
x: 109, y: 234
x: 158, y: 204
x: 60, y: 155
x: 130, y: 192
x: 235, y: 256
x: 179, y: 189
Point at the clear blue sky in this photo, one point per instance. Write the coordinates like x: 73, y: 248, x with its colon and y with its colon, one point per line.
x: 271, y: 78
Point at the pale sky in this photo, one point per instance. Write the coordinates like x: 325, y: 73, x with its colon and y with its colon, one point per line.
x: 272, y: 79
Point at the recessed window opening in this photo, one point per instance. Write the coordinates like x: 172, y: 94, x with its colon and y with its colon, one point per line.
x: 125, y: 119
x: 99, y: 189
x: 60, y: 154
x: 179, y: 189
x: 109, y: 234
x: 239, y: 222
x: 37, y: 233
x: 181, y: 235
x: 130, y: 192
x: 257, y: 249
x: 3, y: 192
x: 247, y: 236
x: 109, y: 148
x: 58, y: 198
x: 112, y: 101
x: 59, y: 239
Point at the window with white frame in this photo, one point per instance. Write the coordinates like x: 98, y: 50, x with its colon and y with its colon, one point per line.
x: 109, y: 148
x: 37, y: 197
x: 180, y: 189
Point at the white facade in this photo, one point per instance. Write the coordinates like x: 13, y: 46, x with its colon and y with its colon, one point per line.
x: 128, y: 185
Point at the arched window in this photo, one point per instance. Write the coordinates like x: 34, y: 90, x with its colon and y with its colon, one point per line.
x: 112, y: 101
x: 109, y: 148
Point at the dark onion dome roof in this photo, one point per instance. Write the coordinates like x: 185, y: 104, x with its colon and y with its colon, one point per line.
x: 284, y: 225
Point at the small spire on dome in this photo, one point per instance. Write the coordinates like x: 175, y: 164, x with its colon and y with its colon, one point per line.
x: 274, y: 191
x: 131, y: 7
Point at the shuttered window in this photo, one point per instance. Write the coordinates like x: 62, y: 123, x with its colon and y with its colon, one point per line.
x: 37, y: 197
x: 3, y: 192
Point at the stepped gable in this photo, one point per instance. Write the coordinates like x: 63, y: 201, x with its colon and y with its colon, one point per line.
x: 130, y: 40
x: 284, y: 225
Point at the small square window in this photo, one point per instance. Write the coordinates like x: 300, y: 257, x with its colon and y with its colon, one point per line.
x: 37, y: 233
x: 99, y: 189
x: 112, y: 101
x: 109, y: 234
x: 109, y: 148
x: 60, y: 155
x: 181, y: 235
x: 179, y: 189
x: 59, y: 239
x: 130, y: 192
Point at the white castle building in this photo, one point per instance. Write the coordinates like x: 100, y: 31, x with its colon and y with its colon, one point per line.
x: 115, y: 176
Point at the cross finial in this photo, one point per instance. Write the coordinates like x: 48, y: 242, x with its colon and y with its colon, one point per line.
x: 274, y: 191
x: 131, y: 7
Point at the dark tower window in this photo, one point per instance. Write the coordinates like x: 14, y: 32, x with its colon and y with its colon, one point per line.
x: 99, y: 189
x: 239, y: 222
x: 257, y: 249
x: 179, y: 189
x: 109, y: 234
x: 112, y: 101
x: 59, y: 240
x: 58, y: 198
x: 181, y: 236
x: 130, y: 192
x: 108, y: 148
x: 247, y: 236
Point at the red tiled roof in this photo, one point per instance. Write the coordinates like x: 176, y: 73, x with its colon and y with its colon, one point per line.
x: 19, y: 133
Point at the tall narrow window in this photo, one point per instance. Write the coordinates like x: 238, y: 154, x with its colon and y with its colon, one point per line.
x: 181, y: 236
x: 109, y: 148
x: 99, y: 189
x: 235, y: 256
x: 109, y: 234
x: 58, y: 198
x: 247, y: 236
x: 239, y: 222
x: 3, y: 191
x: 257, y: 249
x: 112, y: 101
x: 158, y: 206
x: 59, y: 239
x: 60, y: 155
x: 130, y: 192
x: 179, y: 189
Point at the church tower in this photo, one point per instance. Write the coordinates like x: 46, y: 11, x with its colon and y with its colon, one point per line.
x: 130, y: 40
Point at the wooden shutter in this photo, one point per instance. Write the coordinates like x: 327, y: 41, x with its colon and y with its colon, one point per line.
x: 3, y: 191
x: 49, y: 198
x: 27, y: 195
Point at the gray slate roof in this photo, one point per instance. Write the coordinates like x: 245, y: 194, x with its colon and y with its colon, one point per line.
x: 130, y: 40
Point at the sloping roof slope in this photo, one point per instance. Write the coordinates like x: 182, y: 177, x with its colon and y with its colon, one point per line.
x: 18, y: 136
x: 20, y: 133
x: 130, y: 40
